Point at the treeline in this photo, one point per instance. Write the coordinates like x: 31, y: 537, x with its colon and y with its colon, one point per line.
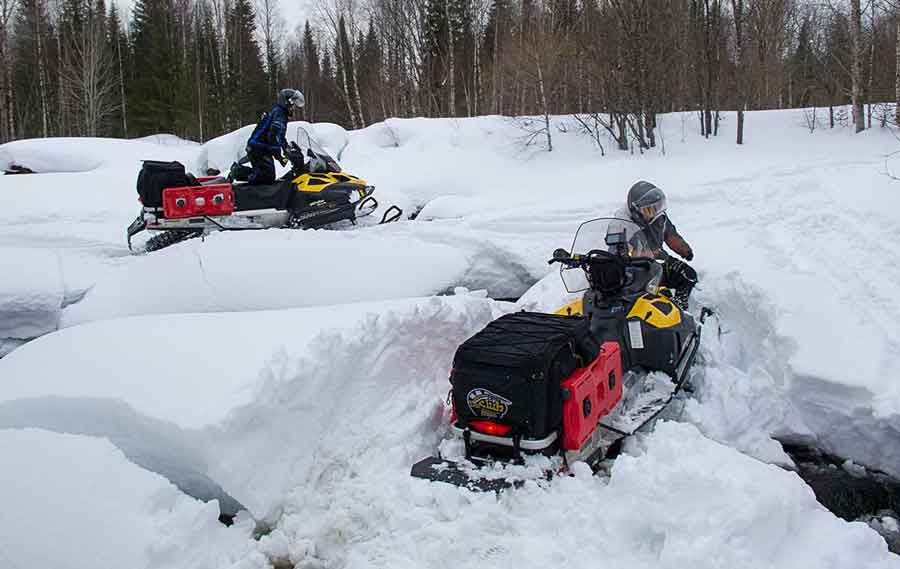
x: 199, y: 68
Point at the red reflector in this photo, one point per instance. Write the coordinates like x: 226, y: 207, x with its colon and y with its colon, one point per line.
x: 490, y: 428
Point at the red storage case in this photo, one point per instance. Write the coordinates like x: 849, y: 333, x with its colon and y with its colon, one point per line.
x: 589, y: 394
x: 193, y: 201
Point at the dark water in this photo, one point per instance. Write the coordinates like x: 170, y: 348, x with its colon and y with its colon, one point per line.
x: 853, y: 493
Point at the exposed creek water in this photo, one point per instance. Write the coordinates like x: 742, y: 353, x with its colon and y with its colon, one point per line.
x: 851, y: 491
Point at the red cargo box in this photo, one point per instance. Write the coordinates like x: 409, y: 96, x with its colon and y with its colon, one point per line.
x: 193, y: 201
x: 591, y: 393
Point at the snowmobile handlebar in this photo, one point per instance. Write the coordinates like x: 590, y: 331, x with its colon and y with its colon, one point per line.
x: 596, y: 256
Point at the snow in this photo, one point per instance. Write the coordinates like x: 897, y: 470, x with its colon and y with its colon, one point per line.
x: 49, y: 155
x: 210, y: 403
x: 663, y: 506
x: 74, y: 502
x: 279, y: 269
x: 30, y: 303
x: 300, y: 374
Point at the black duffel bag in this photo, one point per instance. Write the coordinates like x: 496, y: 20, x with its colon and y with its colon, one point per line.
x: 510, y: 372
x: 155, y: 176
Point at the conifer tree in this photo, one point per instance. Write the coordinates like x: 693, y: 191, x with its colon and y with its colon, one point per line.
x: 119, y: 49
x: 154, y: 87
x: 246, y: 78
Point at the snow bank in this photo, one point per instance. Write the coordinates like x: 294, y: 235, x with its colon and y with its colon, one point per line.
x: 44, y: 155
x: 30, y: 303
x: 365, y: 395
x: 168, y: 140
x: 242, y: 271
x: 75, y: 502
x: 222, y: 151
x: 680, y: 501
x: 212, y: 397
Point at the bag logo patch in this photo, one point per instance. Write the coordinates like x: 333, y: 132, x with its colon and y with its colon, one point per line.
x: 484, y: 403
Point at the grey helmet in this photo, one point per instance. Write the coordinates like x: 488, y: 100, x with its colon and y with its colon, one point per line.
x: 646, y: 200
x: 291, y: 99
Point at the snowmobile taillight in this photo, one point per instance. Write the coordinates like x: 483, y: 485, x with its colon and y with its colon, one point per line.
x: 180, y: 202
x: 490, y: 428
x: 218, y: 198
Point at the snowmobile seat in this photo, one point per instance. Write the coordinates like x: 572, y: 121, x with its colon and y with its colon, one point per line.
x: 272, y: 196
x: 212, y: 180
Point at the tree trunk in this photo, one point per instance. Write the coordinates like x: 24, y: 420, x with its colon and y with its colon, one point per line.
x: 544, y: 106
x: 42, y: 69
x: 451, y: 66
x: 856, y: 65
x: 122, y: 92
x: 738, y: 10
x: 897, y: 65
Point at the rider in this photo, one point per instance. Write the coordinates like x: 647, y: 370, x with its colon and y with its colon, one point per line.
x: 647, y: 208
x: 267, y: 140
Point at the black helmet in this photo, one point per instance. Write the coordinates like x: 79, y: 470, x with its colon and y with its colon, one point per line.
x: 290, y: 99
x: 646, y: 200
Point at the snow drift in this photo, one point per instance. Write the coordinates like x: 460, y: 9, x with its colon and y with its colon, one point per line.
x: 72, y: 502
x: 207, y: 404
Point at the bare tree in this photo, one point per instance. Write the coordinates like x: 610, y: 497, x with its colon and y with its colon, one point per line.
x: 7, y: 98
x: 89, y: 70
x: 271, y: 27
x: 856, y: 65
x: 897, y: 63
x: 737, y: 8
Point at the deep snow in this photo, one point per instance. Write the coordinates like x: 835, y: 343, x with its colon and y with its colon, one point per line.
x: 310, y: 417
x: 75, y: 502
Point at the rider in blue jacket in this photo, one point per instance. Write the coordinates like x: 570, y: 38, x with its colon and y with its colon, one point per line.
x: 267, y: 141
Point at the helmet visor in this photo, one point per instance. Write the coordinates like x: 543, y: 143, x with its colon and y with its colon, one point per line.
x: 652, y: 212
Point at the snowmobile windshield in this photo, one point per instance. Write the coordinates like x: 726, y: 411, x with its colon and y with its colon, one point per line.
x: 621, y: 237
x: 319, y: 158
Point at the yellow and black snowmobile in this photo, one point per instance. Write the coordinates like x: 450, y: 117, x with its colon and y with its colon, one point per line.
x: 532, y: 393
x: 314, y: 193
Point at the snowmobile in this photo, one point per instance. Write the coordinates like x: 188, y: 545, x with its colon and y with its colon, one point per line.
x: 533, y: 393
x: 315, y: 192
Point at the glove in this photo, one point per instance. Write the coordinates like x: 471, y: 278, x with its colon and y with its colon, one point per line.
x: 283, y: 160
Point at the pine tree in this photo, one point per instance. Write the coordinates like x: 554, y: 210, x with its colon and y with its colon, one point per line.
x: 154, y: 87
x: 312, y: 73
x: 246, y: 78
x: 371, y: 78
x: 117, y: 43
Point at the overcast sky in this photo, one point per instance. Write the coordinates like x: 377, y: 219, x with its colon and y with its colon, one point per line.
x: 294, y: 12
